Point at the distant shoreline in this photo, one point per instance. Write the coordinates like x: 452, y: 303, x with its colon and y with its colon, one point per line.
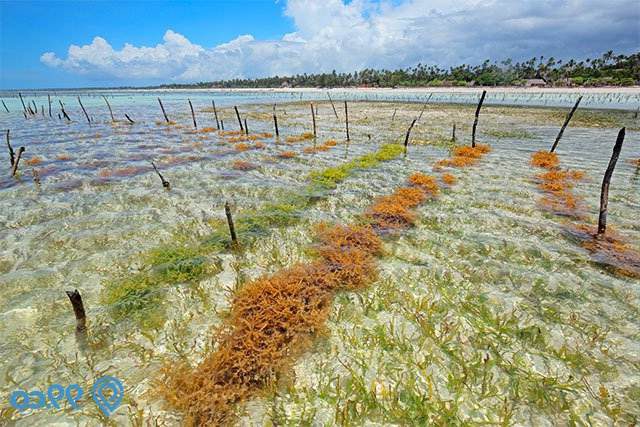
x: 435, y: 89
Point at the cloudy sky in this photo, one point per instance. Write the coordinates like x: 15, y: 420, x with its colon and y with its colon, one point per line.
x: 58, y: 44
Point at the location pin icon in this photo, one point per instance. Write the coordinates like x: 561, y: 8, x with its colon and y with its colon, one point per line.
x: 107, y: 392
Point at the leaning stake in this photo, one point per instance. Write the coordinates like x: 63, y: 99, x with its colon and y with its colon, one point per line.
x: 78, y: 310
x: 215, y: 113
x: 346, y: 118
x: 12, y: 156
x: 475, y: 120
x: 238, y: 116
x: 566, y: 122
x: 22, y: 101
x: 109, y: 106
x: 193, y: 115
x: 85, y: 111
x: 406, y: 138
x: 164, y: 113
x: 5, y: 106
x: 165, y: 183
x: 232, y: 230
x: 15, y: 164
x: 275, y: 120
x: 604, y: 194
x: 313, y: 118
x: 333, y: 106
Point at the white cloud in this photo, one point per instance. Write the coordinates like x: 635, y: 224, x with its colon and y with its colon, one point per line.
x: 346, y: 37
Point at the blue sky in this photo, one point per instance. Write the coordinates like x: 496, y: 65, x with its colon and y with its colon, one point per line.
x: 106, y: 43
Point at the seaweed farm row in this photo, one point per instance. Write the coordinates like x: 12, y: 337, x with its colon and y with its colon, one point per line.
x: 371, y: 283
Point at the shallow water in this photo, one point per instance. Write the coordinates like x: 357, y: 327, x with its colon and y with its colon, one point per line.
x: 484, y: 255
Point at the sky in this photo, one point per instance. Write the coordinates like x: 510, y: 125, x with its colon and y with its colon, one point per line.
x: 53, y: 44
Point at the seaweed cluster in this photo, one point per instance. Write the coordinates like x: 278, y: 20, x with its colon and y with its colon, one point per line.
x: 463, y: 156
x: 557, y: 185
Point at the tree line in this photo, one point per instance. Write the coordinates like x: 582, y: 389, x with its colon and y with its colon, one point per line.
x: 609, y: 70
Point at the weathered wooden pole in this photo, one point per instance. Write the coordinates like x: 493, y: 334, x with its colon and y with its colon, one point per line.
x: 475, y: 120
x: 406, y: 137
x: 246, y: 127
x: 238, y: 116
x: 193, y: 115
x: 109, y: 106
x: 78, y: 310
x: 49, y: 100
x: 165, y: 183
x: 393, y: 116
x: 17, y: 161
x: 84, y: 111
x: 232, y: 229
x: 215, y: 113
x: 453, y: 133
x: 604, y: 194
x: 564, y: 125
x: 12, y: 156
x: 5, y: 106
x: 313, y: 118
x: 333, y: 106
x: 129, y: 118
x: 346, y: 118
x: 64, y: 113
x: 35, y: 107
x: 221, y: 124
x: 275, y: 120
x: 22, y: 101
x: 164, y: 113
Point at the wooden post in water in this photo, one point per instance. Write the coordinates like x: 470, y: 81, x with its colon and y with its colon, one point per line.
x: 215, y: 113
x: 78, y: 310
x: 17, y: 161
x: 85, y: 111
x: 22, y: 101
x: 333, y: 106
x: 193, y: 115
x: 393, y: 116
x: 12, y: 156
x: 232, y: 229
x: 406, y: 137
x: 313, y: 118
x: 5, y: 106
x: 475, y: 120
x: 109, y: 106
x: 165, y: 183
x: 564, y: 125
x: 346, y: 118
x: 604, y: 194
x: 49, y: 99
x: 129, y: 118
x: 221, y: 124
x: 164, y: 113
x: 238, y: 116
x: 453, y: 133
x: 64, y: 113
x: 275, y: 121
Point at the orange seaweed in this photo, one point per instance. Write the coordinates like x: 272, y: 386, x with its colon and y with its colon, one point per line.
x: 544, y: 159
x: 35, y: 160
x: 287, y: 155
x: 448, y: 178
x: 243, y: 165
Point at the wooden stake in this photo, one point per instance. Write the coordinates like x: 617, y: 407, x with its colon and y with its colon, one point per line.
x: 604, y: 194
x: 475, y: 120
x: 193, y: 115
x: 165, y: 183
x: 15, y: 164
x: 346, y: 118
x: 222, y: 124
x: 238, y: 116
x: 49, y: 99
x: 564, y: 125
x: 215, y: 113
x: 393, y: 116
x: 12, y: 156
x: 85, y: 111
x: 109, y: 106
x: 333, y: 106
x: 406, y: 138
x: 313, y: 118
x: 64, y: 113
x: 5, y: 106
x: 232, y: 230
x: 275, y: 120
x: 22, y: 101
x: 246, y: 128
x: 129, y: 118
x: 78, y: 310
x: 164, y: 113
x: 453, y: 133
